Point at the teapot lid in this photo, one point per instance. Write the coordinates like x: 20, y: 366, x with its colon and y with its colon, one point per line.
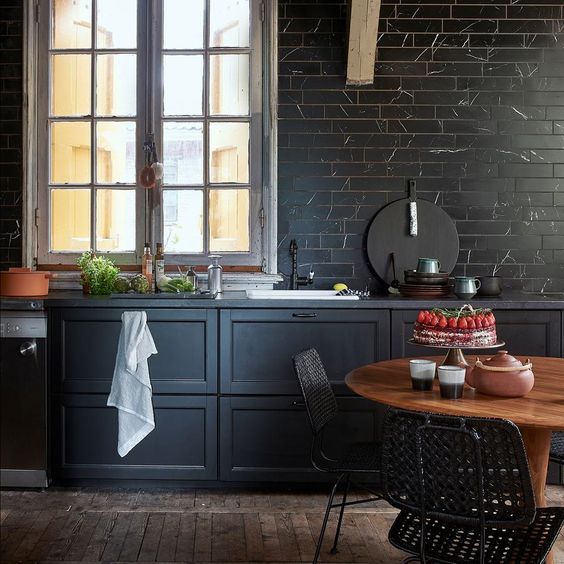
x: 503, y: 358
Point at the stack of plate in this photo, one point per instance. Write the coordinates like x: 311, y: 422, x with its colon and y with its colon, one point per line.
x: 425, y: 284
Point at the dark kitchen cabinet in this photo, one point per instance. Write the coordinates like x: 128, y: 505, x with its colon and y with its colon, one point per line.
x: 257, y: 346
x: 269, y: 439
x: 183, y: 445
x: 526, y: 332
x: 84, y: 345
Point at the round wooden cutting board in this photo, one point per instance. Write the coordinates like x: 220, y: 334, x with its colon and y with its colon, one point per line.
x: 389, y: 232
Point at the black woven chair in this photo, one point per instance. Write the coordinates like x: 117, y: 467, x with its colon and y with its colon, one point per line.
x: 464, y: 490
x: 321, y: 407
x: 557, y: 447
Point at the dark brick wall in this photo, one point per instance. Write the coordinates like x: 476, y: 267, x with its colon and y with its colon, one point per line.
x: 11, y: 17
x: 468, y: 99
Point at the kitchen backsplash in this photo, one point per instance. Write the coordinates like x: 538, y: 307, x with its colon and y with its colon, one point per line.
x: 468, y: 99
x: 11, y: 19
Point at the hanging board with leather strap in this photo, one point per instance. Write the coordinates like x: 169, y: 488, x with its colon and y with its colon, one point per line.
x: 390, y: 232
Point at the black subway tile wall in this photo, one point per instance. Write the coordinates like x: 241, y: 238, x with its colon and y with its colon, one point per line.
x: 11, y: 19
x: 468, y: 98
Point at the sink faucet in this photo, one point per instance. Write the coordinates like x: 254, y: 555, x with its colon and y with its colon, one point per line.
x: 296, y: 280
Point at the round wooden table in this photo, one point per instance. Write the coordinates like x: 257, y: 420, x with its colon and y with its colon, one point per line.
x: 537, y: 414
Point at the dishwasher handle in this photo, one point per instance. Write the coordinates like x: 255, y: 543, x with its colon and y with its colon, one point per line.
x: 29, y: 348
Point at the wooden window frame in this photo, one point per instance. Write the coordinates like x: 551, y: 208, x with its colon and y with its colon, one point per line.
x: 263, y: 169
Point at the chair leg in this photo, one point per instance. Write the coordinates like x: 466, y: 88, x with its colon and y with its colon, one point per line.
x: 325, y: 519
x: 345, y: 493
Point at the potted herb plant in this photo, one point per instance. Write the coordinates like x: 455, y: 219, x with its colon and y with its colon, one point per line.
x: 98, y: 274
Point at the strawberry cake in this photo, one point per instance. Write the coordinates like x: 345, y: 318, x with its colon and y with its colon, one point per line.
x: 462, y: 327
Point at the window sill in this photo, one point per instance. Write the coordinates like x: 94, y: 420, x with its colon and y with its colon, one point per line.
x: 69, y: 280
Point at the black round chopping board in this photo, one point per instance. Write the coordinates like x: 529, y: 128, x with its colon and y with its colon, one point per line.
x: 389, y: 232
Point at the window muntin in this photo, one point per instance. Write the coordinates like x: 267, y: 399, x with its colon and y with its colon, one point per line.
x: 207, y: 124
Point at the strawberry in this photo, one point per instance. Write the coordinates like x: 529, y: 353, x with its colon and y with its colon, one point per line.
x: 462, y: 323
x: 427, y: 318
x: 471, y: 323
x: 478, y: 322
x: 442, y: 321
x: 421, y: 317
x: 452, y: 322
x: 491, y: 318
x: 485, y: 322
x: 434, y: 320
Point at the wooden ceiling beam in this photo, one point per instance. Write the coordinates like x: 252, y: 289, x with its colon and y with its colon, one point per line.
x: 363, y: 16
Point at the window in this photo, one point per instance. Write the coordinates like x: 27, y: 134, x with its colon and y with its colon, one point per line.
x: 188, y: 74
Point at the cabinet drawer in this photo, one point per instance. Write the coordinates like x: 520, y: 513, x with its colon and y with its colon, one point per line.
x: 183, y: 445
x: 269, y: 439
x: 84, y: 345
x: 533, y: 333
x: 257, y: 346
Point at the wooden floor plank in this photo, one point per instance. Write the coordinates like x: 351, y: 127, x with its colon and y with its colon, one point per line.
x: 34, y: 534
x: 305, y: 539
x: 287, y: 537
x: 134, y: 537
x: 169, y: 538
x: 203, y: 540
x: 253, y: 537
x: 186, y: 537
x: 66, y: 536
x: 82, y: 538
x: 228, y: 538
x: 13, y: 532
x: 270, y: 541
x: 151, y: 540
x: 43, y: 546
x: 100, y: 537
x: 116, y: 537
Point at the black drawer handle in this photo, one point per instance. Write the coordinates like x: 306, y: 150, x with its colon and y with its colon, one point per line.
x: 298, y: 404
x: 312, y: 314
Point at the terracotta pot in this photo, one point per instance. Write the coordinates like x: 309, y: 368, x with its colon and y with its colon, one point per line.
x: 24, y: 282
x: 501, y: 375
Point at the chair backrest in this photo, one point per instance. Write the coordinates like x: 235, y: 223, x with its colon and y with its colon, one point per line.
x: 467, y: 470
x: 320, y: 401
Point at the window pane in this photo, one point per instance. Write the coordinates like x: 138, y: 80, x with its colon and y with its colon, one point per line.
x: 115, y: 220
x: 115, y: 152
x: 71, y: 24
x: 183, y: 218
x: 183, y: 152
x: 229, y: 85
x: 70, y: 220
x: 70, y: 85
x: 116, y: 85
x: 229, y: 152
x: 183, y: 24
x: 116, y: 24
x: 229, y: 220
x: 182, y: 79
x: 70, y: 152
x: 229, y: 23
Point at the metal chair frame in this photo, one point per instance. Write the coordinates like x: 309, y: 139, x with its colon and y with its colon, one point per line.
x: 321, y: 407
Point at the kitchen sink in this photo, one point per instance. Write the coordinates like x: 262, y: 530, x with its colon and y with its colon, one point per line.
x: 297, y: 295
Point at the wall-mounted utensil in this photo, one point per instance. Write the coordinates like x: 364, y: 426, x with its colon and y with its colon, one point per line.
x: 412, y: 208
x: 394, y: 285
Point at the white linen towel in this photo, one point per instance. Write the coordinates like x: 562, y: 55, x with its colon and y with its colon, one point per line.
x: 131, y: 389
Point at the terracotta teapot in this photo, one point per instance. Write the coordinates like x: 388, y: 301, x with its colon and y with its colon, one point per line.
x: 501, y: 375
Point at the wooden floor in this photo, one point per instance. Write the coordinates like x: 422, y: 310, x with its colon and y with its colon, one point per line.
x: 199, y: 526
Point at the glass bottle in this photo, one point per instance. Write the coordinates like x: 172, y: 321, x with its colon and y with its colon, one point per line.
x: 147, y: 264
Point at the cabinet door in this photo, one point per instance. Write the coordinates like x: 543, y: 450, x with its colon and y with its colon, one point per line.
x: 269, y: 439
x: 257, y: 346
x: 533, y: 333
x: 183, y: 445
x: 84, y: 344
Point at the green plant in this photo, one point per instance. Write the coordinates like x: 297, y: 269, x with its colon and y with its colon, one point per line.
x: 99, y: 274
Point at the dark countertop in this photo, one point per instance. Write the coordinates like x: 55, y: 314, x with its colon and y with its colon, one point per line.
x: 510, y: 299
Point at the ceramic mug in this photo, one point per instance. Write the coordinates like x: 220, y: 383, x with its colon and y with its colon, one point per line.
x: 428, y: 265
x: 465, y: 287
x: 489, y: 286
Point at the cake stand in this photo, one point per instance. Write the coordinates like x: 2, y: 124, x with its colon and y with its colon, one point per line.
x: 454, y: 355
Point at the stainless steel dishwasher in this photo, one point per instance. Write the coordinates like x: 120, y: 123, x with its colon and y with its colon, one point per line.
x: 23, y: 418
